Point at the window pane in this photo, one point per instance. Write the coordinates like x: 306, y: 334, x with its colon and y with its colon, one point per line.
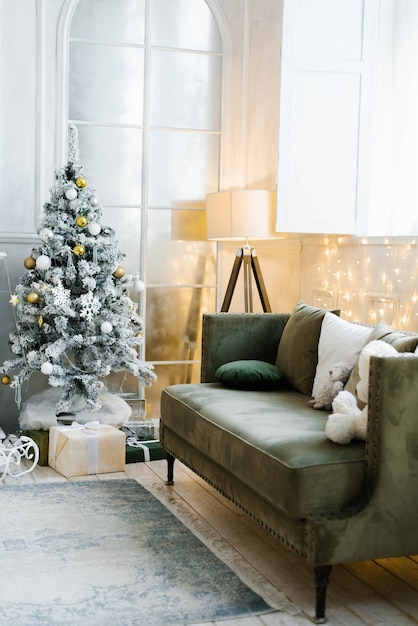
x: 185, y: 90
x: 109, y: 20
x: 184, y: 24
x: 182, y: 167
x: 121, y: 382
x: 167, y: 375
x: 174, y: 320
x: 127, y: 224
x: 177, y: 261
x: 112, y: 156
x: 106, y: 83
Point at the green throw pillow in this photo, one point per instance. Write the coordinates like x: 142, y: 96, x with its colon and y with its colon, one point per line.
x: 250, y: 375
x: 297, y: 355
x: 401, y: 340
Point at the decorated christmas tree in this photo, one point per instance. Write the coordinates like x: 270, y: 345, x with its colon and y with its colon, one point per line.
x: 75, y: 320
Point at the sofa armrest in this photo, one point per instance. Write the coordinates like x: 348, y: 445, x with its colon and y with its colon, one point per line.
x: 234, y: 336
x: 383, y: 521
x: 392, y: 437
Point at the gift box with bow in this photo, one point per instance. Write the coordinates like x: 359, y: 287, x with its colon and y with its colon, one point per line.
x: 82, y: 449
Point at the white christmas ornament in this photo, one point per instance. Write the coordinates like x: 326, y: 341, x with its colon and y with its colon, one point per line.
x: 89, y: 305
x: 43, y: 262
x: 106, y: 328
x: 139, y: 285
x: 46, y: 368
x: 94, y: 228
x: 45, y: 234
x: 94, y: 201
x: 71, y: 194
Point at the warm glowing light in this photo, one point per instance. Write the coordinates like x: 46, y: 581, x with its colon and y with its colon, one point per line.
x: 380, y: 279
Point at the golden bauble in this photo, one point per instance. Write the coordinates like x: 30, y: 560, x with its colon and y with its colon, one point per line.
x: 119, y: 272
x: 81, y: 221
x: 29, y: 263
x: 6, y: 380
x: 79, y: 250
x: 33, y: 297
x: 81, y: 182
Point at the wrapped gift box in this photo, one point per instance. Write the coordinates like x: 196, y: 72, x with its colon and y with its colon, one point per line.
x: 41, y: 438
x: 93, y: 448
x: 145, y: 451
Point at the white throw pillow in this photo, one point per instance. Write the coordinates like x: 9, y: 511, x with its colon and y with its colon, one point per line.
x: 339, y: 340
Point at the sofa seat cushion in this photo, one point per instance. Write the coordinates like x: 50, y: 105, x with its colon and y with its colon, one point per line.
x: 271, y: 440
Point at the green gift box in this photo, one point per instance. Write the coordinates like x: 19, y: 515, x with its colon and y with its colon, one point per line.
x: 41, y: 438
x: 145, y: 451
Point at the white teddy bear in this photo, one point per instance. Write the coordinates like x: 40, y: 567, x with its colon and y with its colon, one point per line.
x: 348, y: 421
x: 338, y: 376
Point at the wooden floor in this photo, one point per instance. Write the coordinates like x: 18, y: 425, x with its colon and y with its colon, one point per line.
x: 373, y: 593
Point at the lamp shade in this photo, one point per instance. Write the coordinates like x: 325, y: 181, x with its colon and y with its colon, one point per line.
x: 240, y: 214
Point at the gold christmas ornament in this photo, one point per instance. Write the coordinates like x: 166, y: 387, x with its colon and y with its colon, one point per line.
x: 119, y: 272
x: 81, y: 182
x: 6, y: 380
x: 81, y: 221
x: 40, y: 321
x: 29, y: 263
x: 33, y: 297
x: 79, y: 250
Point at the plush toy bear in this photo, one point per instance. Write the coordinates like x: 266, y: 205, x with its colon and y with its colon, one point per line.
x: 348, y: 422
x: 337, y: 378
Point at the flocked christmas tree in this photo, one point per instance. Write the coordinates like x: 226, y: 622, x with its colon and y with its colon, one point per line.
x: 75, y: 320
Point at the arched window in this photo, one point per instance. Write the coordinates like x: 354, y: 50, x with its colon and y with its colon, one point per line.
x: 145, y: 94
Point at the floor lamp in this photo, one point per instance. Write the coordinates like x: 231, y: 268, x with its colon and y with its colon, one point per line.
x: 239, y: 215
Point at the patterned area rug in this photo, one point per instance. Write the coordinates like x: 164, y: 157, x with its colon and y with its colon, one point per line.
x: 108, y: 553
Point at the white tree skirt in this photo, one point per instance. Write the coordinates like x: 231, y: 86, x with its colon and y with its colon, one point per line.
x: 39, y: 412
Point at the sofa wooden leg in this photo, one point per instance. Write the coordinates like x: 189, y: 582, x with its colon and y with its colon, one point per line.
x: 170, y: 469
x: 322, y: 574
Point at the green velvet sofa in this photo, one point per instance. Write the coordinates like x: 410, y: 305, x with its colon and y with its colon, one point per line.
x: 265, y: 449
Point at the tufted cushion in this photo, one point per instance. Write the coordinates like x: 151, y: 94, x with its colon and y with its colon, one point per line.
x: 297, y: 354
x: 269, y: 443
